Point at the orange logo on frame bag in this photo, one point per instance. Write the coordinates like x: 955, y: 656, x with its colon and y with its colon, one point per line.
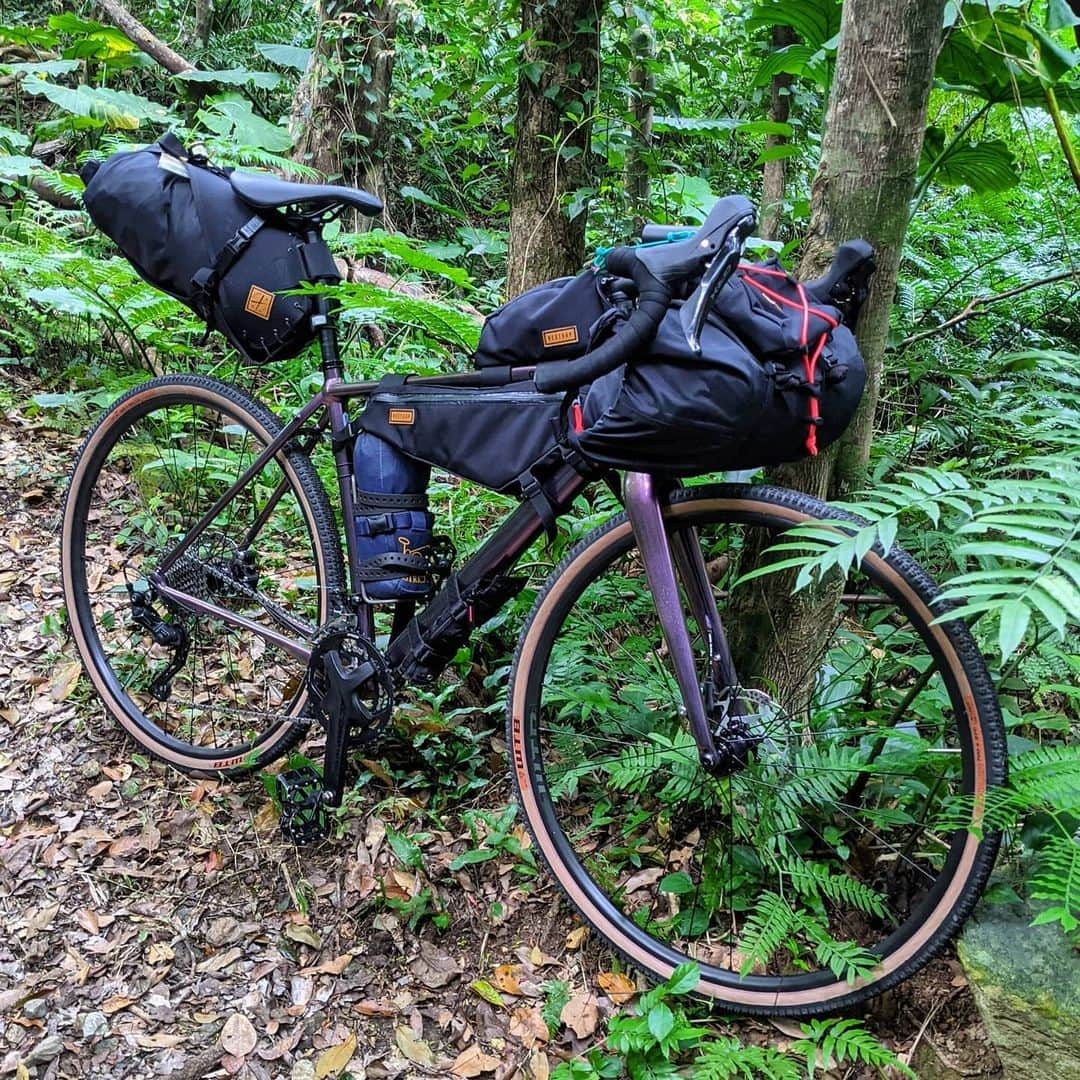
x: 562, y: 335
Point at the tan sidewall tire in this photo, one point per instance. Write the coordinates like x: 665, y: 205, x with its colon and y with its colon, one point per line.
x: 309, y: 493
x: 982, y: 717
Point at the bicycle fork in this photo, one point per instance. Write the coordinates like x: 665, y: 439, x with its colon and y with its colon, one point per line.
x: 667, y: 563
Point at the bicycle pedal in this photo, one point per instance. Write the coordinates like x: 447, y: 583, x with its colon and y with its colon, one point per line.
x: 304, y: 819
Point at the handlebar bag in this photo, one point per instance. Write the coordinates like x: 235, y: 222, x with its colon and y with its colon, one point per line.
x: 492, y: 436
x: 558, y: 320
x: 177, y: 220
x: 730, y: 407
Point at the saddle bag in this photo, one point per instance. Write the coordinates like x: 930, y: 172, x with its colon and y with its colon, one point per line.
x: 491, y: 436
x: 778, y: 379
x: 176, y: 218
x: 558, y: 320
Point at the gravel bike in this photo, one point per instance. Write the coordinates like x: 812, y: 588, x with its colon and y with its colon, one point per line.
x: 801, y: 818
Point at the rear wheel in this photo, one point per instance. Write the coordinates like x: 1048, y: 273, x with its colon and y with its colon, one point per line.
x: 191, y: 688
x: 836, y: 856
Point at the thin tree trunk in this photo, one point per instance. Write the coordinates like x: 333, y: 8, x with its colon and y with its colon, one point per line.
x: 336, y: 119
x: 870, y: 152
x: 556, y: 98
x: 134, y: 30
x: 642, y: 95
x: 204, y: 22
x: 774, y: 182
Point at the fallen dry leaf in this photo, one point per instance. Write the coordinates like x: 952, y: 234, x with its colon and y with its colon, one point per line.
x: 433, y: 967
x: 527, y: 1024
x: 159, y: 953
x: 413, y: 1048
x: 620, y: 988
x: 472, y: 1061
x: 505, y: 979
x: 332, y: 1062
x: 304, y: 934
x: 367, y: 1007
x: 64, y: 681
x: 238, y: 1036
x: 581, y: 1015
x: 537, y: 1067
x: 576, y: 937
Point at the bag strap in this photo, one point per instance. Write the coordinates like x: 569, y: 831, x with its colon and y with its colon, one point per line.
x: 206, y: 279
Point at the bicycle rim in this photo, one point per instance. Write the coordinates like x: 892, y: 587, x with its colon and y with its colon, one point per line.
x: 831, y: 864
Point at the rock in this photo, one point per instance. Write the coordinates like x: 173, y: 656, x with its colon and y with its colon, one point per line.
x: 1026, y: 982
x: 95, y: 1023
x: 35, y: 1008
x: 46, y: 1050
x: 303, y: 1070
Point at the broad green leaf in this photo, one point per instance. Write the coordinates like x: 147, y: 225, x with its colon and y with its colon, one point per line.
x: 661, y: 1021
x: 117, y: 108
x: 1053, y: 60
x: 684, y: 978
x: 983, y: 167
x: 41, y: 67
x: 232, y: 115
x: 1059, y: 14
x: 815, y: 21
x: 264, y: 80
x: 290, y: 56
x: 416, y: 195
x: 779, y: 153
x: 678, y: 883
x: 704, y: 125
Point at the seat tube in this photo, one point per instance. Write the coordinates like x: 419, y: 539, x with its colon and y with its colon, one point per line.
x: 646, y: 518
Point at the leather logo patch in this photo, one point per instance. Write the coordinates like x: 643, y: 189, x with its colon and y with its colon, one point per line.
x: 562, y: 335
x: 402, y: 416
x: 259, y: 302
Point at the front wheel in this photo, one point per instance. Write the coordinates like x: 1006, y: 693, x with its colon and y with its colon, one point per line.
x: 200, y: 692
x: 842, y: 852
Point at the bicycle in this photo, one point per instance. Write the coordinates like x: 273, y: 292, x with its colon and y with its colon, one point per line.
x: 808, y: 837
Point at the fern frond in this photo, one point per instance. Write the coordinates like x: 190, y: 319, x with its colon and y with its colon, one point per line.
x: 770, y: 924
x: 838, y: 1041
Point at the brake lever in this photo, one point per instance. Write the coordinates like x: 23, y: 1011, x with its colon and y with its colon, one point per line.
x: 695, y: 310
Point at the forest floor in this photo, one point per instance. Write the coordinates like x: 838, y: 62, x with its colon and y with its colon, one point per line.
x: 157, y: 925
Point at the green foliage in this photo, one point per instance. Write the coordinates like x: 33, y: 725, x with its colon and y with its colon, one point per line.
x: 839, y: 1041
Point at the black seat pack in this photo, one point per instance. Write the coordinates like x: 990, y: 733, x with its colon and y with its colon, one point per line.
x: 179, y: 221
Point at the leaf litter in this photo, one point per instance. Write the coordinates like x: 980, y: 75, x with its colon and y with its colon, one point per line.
x: 155, y: 925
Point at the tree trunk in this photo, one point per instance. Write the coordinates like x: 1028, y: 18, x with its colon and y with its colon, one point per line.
x: 337, y: 111
x: 775, y: 176
x: 642, y: 95
x: 870, y: 151
x: 557, y: 86
x: 204, y: 22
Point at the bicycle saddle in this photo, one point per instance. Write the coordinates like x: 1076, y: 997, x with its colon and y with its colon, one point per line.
x: 265, y: 192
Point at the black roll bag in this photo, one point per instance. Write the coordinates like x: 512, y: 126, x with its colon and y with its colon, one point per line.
x: 177, y: 219
x: 778, y: 378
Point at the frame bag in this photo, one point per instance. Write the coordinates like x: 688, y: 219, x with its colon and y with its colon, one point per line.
x: 178, y: 221
x: 779, y: 378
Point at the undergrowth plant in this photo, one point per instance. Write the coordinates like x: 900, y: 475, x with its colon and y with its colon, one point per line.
x: 660, y: 1038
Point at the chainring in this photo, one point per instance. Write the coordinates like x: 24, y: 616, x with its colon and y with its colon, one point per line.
x: 349, y: 681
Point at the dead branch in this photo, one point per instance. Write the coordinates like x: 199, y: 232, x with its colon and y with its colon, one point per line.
x: 979, y: 304
x: 153, y: 46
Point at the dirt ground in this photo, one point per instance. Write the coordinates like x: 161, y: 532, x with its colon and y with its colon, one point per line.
x: 158, y: 926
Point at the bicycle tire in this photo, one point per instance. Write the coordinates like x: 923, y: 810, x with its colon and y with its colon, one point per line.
x: 550, y: 775
x: 141, y: 478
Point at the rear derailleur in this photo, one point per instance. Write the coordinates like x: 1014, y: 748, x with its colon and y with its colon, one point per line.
x: 351, y: 691
x: 169, y: 635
